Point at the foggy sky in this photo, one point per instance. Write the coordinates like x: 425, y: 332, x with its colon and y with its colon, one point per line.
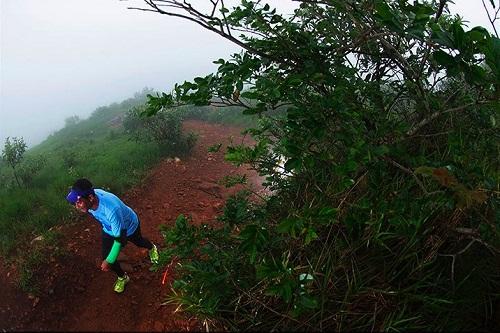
x: 60, y: 58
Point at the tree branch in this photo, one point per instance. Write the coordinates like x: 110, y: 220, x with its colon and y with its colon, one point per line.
x: 198, y: 20
x: 492, y: 21
x: 434, y: 116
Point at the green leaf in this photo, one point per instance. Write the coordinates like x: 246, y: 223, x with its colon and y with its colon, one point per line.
x: 458, y: 36
x: 328, y: 212
x: 308, y: 302
x: 181, y: 222
x: 239, y: 85
x: 283, y: 289
x: 477, y: 34
x: 475, y: 74
x: 253, y: 239
x: 286, y: 291
x: 424, y: 170
x: 383, y: 11
x: 235, y: 155
x: 350, y: 166
x: 293, y: 164
x: 444, y: 59
x: 385, y: 14
x: 443, y: 37
x: 381, y: 150
x: 492, y: 53
x: 267, y: 270
x: 291, y: 226
x: 294, y: 81
x: 310, y: 236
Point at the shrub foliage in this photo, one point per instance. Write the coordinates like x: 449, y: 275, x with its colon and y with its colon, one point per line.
x: 383, y: 170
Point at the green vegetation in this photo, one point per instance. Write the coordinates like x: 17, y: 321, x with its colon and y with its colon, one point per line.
x: 384, y: 214
x: 165, y: 128
x: 13, y: 154
x: 232, y: 115
x: 97, y: 148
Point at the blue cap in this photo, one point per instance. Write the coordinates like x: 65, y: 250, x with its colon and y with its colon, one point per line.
x: 75, y: 194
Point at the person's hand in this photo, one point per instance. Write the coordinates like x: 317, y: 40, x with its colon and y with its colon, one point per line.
x: 105, y: 266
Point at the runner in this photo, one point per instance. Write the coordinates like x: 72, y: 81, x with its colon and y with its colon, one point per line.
x: 119, y: 225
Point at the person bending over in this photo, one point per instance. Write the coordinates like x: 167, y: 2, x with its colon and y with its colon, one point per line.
x: 119, y: 225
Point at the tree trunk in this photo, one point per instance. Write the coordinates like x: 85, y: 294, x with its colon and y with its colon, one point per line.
x: 15, y: 176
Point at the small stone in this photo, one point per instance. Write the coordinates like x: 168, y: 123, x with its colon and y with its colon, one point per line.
x: 35, y: 302
x: 39, y: 238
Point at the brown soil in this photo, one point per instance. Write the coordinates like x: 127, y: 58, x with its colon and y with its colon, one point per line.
x: 77, y: 296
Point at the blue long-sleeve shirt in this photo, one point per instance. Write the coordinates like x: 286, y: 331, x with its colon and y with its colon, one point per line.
x: 114, y: 215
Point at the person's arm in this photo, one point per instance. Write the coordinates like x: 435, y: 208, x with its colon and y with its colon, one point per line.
x: 113, y: 253
x: 119, y: 234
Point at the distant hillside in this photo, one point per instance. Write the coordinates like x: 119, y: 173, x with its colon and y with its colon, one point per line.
x: 100, y: 122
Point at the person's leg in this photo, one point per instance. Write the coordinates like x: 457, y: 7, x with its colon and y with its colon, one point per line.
x: 107, y: 244
x: 139, y: 240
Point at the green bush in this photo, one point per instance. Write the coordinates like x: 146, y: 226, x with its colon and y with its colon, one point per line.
x: 164, y: 128
x: 383, y: 171
x: 29, y: 168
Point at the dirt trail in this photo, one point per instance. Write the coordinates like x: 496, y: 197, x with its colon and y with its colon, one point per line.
x: 79, y: 297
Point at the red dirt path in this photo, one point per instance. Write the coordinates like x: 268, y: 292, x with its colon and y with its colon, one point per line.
x: 77, y: 296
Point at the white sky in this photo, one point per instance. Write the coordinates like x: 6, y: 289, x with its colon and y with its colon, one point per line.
x: 60, y: 58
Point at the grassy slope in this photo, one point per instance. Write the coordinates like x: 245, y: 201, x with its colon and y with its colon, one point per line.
x: 91, y: 148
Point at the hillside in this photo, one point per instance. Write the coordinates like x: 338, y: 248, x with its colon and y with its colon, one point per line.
x: 77, y: 296
x: 96, y: 147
